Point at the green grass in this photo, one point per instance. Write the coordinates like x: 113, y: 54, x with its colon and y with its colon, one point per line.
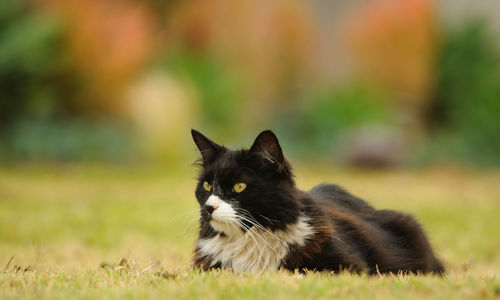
x: 61, y: 223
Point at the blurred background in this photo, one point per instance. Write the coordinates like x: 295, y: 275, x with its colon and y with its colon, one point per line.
x: 97, y: 99
x: 366, y: 83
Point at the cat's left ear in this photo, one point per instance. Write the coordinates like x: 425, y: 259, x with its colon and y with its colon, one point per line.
x: 266, y: 144
x: 209, y: 149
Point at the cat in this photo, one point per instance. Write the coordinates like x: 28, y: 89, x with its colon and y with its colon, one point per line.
x: 254, y: 218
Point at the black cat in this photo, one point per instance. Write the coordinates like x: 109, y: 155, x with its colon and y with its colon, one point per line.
x: 253, y: 218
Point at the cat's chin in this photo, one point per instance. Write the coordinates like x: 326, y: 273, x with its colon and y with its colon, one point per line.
x: 227, y: 228
x: 220, y: 226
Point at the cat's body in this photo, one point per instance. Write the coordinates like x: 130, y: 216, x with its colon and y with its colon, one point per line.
x: 253, y: 218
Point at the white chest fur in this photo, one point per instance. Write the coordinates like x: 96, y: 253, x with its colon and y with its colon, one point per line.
x: 256, y: 250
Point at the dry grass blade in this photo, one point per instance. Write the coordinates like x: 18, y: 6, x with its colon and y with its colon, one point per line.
x: 153, y: 265
x: 8, y: 264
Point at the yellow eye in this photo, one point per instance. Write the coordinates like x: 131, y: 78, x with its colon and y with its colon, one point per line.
x: 207, y: 186
x: 239, y: 187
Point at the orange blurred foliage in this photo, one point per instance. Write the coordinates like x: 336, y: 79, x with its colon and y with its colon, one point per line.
x: 265, y: 42
x: 107, y: 43
x: 393, y: 43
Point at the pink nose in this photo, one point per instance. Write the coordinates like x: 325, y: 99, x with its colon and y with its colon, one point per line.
x: 211, y: 208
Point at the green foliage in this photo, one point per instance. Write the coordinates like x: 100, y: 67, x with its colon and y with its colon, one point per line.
x: 218, y: 88
x: 319, y: 123
x: 35, y: 96
x: 466, y: 107
x: 29, y: 57
x: 57, y: 140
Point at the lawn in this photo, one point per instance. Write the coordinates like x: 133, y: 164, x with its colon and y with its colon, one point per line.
x: 91, y: 231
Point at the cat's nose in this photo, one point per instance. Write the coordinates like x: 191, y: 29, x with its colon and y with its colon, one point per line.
x: 211, y: 208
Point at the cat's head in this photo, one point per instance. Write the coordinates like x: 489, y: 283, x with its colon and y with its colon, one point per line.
x: 240, y: 189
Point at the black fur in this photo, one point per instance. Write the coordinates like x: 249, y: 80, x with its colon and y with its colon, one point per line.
x: 349, y: 233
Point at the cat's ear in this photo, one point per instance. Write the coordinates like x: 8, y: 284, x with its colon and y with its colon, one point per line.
x: 209, y: 150
x: 267, y: 145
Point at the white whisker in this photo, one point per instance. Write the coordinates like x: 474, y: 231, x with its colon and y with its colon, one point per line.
x: 255, y: 223
x: 249, y: 230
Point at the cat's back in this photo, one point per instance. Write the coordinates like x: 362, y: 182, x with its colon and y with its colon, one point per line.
x: 384, y: 240
x: 334, y: 195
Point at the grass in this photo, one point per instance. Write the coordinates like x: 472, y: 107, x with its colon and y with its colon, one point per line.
x: 65, y: 229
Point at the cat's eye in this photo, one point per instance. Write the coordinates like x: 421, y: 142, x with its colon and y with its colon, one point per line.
x: 239, y: 187
x: 207, y: 186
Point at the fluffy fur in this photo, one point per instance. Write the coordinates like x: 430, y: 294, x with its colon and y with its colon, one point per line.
x: 273, y: 225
